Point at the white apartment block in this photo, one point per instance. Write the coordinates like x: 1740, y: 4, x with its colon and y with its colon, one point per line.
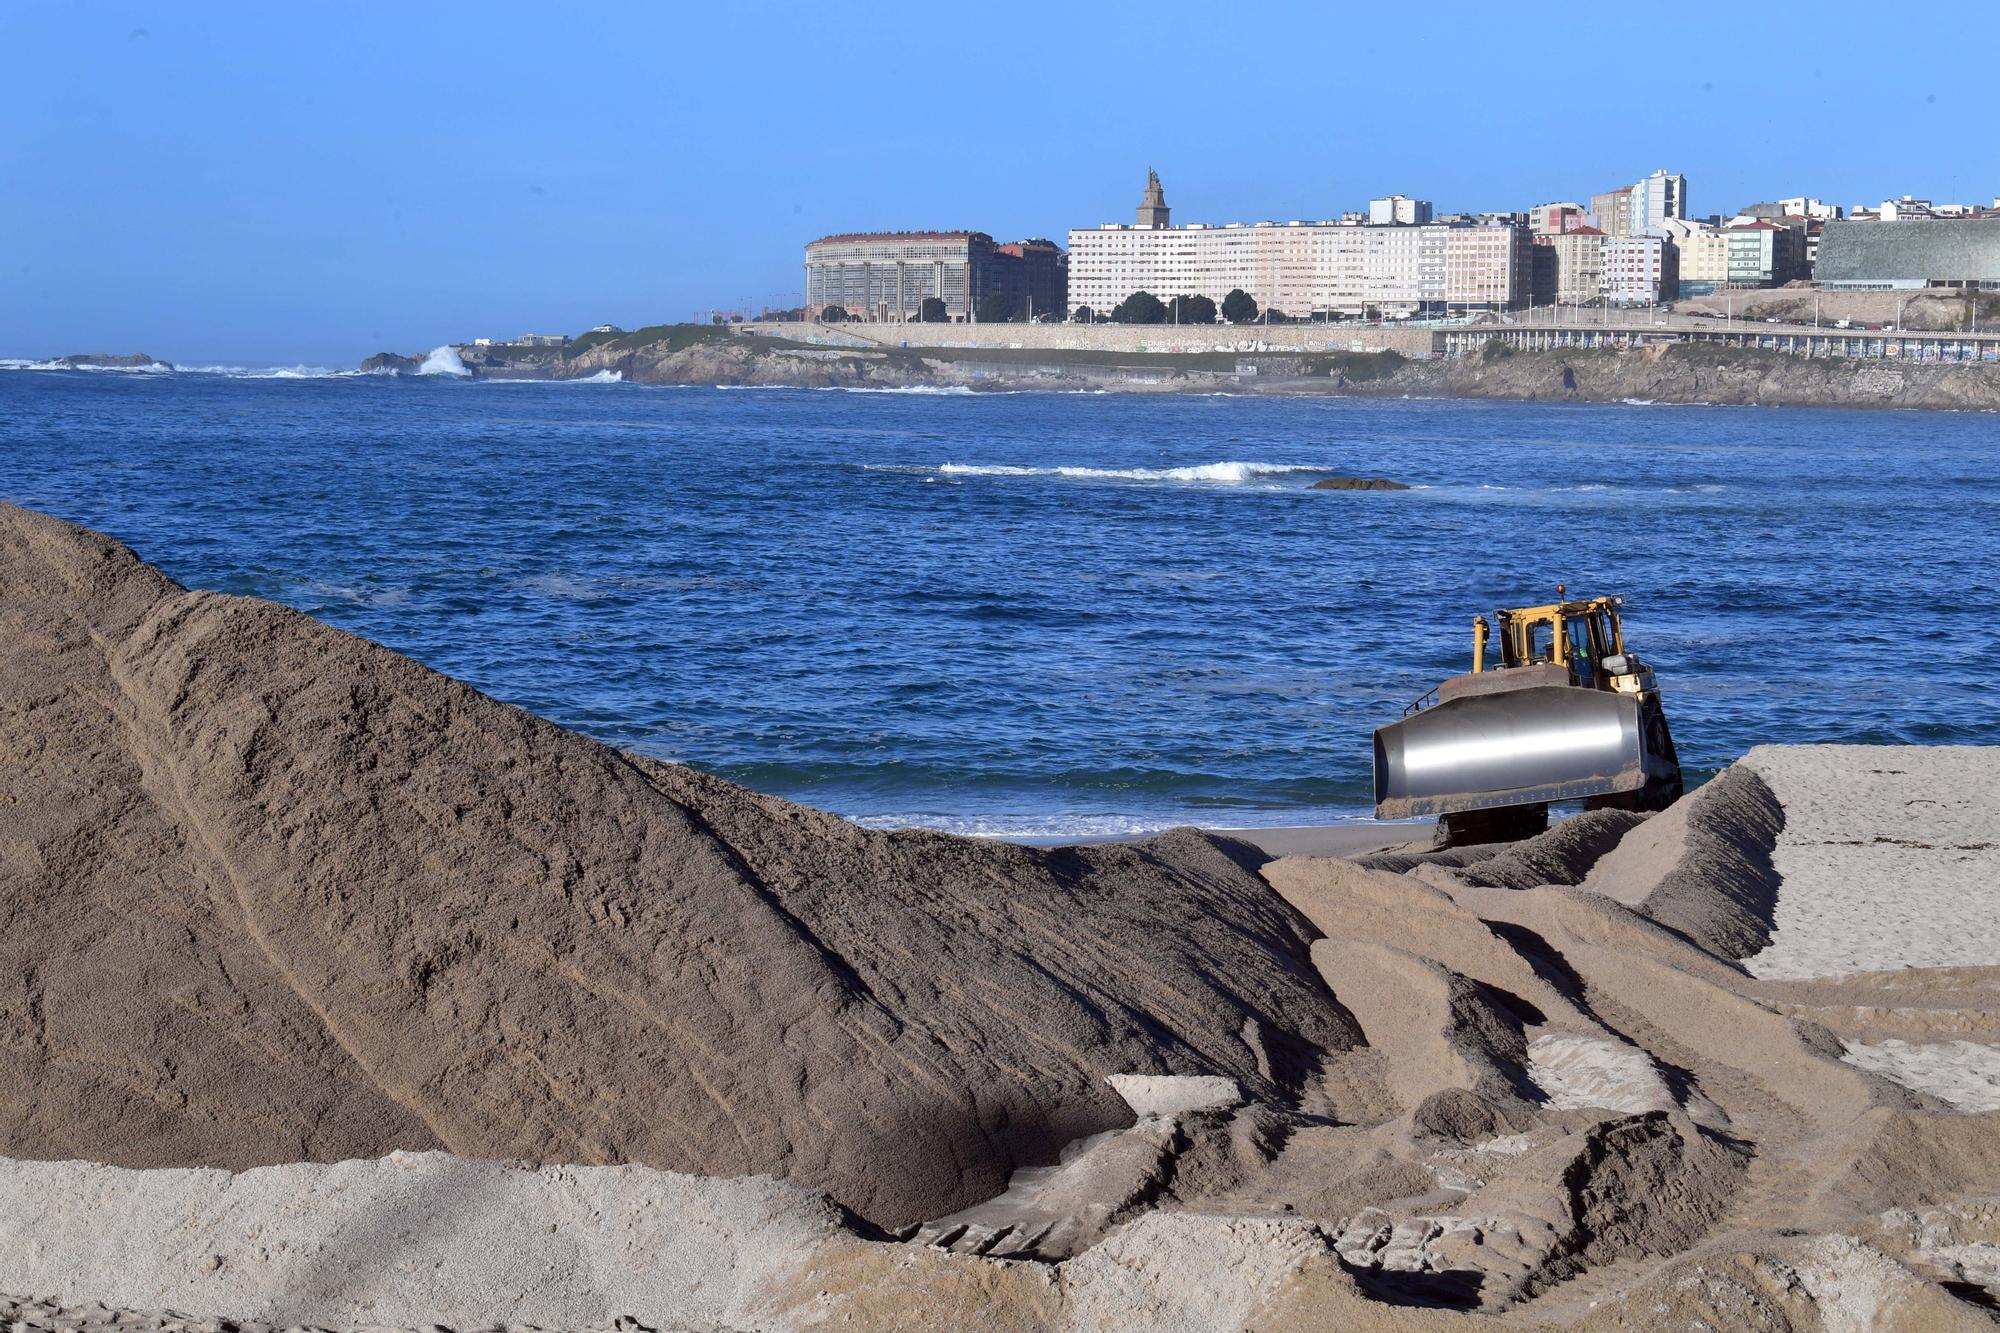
x: 1304, y: 268
x: 1399, y: 211
x: 1639, y: 270
x: 1657, y: 199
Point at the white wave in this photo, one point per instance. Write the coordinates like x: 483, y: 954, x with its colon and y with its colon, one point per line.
x: 601, y: 377
x: 1636, y: 402
x: 1228, y: 472
x: 444, y: 360
x: 1052, y: 827
x: 949, y: 390
x: 1021, y: 826
x: 270, y: 372
x: 22, y: 363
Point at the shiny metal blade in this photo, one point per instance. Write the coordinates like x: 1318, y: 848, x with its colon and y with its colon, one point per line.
x: 1519, y: 747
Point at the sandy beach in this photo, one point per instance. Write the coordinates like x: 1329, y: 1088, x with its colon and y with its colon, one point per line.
x: 335, y: 993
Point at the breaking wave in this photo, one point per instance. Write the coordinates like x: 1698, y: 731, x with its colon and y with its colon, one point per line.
x: 270, y: 372
x: 601, y: 377
x: 946, y: 390
x: 22, y: 363
x: 1229, y: 473
x: 443, y: 361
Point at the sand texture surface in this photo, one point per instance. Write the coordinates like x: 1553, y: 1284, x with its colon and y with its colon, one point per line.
x: 334, y: 993
x: 1896, y: 865
x: 272, y: 893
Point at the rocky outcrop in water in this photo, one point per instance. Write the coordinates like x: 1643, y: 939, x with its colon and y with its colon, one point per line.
x: 1357, y: 484
x: 106, y: 361
x: 391, y: 363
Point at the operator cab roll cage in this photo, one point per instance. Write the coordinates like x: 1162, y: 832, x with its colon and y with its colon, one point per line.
x: 1578, y: 634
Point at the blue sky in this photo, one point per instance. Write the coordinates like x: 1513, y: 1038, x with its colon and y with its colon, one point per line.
x: 279, y: 183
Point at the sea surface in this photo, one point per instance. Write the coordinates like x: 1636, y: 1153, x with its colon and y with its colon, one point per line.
x: 1048, y: 614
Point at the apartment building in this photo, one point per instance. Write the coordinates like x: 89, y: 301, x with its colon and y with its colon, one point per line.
x: 1639, y: 270
x: 1577, y: 261
x: 1613, y: 211
x: 1305, y: 268
x: 1399, y: 211
x: 1703, y: 258
x: 1764, y: 254
x: 1656, y: 200
x: 1553, y: 219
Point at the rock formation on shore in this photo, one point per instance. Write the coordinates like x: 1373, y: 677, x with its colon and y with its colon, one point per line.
x: 297, y: 939
x: 1668, y: 373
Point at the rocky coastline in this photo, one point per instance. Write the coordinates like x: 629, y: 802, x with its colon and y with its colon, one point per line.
x: 1675, y: 373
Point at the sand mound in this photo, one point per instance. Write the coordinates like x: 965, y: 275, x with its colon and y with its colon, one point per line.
x: 1827, y: 861
x: 274, y: 893
x: 1563, y: 855
x: 269, y: 892
x: 1703, y: 867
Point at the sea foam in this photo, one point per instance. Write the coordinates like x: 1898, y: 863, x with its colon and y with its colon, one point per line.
x: 1226, y: 472
x: 443, y: 361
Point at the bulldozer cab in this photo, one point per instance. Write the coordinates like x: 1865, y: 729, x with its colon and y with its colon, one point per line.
x: 1579, y: 635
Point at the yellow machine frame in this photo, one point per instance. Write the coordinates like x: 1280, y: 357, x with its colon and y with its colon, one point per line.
x: 1601, y: 623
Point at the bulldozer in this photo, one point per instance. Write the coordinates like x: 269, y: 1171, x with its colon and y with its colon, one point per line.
x: 1569, y: 713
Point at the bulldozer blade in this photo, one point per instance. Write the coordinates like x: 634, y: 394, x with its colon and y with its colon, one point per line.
x: 1516, y: 747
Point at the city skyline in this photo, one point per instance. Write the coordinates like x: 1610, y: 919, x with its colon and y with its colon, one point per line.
x: 269, y: 187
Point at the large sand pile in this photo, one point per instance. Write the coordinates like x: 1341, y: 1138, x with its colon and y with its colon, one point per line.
x: 273, y: 895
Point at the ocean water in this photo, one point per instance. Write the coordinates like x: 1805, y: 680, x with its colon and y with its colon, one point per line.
x: 1048, y: 613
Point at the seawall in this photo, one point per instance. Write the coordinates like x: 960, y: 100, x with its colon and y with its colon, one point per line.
x: 1181, y: 338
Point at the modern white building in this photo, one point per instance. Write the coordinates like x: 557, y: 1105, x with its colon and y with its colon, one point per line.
x: 1639, y: 270
x: 1399, y: 211
x: 1304, y: 268
x: 1657, y: 199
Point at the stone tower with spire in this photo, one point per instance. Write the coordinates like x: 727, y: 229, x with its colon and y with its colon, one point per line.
x: 1153, y: 210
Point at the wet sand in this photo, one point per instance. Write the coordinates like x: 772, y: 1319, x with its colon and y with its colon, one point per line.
x: 1357, y: 838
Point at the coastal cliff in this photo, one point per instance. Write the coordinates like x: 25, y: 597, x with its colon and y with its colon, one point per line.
x: 1674, y: 373
x: 1700, y: 373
